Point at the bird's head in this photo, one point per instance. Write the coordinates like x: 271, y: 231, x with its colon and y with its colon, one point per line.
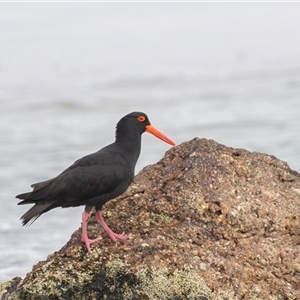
x: 138, y: 123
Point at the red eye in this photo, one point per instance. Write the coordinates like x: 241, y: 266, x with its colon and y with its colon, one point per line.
x: 141, y: 119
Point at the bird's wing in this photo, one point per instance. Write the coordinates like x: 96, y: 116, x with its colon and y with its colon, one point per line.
x: 88, y: 177
x: 84, y: 183
x: 102, y: 157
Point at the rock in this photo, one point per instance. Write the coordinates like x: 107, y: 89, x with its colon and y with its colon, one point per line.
x: 205, y: 222
x: 8, y: 287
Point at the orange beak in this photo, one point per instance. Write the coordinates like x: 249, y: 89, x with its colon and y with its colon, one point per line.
x: 151, y: 129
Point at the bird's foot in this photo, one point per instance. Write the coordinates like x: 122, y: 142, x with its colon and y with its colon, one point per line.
x: 88, y: 242
x: 114, y: 236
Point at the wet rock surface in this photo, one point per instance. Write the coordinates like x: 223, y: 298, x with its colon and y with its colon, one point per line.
x: 206, y: 222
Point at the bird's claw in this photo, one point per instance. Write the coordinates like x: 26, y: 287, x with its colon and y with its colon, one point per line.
x: 115, y: 236
x: 88, y: 242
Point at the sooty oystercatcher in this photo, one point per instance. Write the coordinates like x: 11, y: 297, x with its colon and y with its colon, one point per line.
x: 94, y: 179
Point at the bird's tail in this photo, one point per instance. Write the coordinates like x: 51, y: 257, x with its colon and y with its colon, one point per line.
x: 34, y: 212
x: 39, y: 197
x: 24, y: 196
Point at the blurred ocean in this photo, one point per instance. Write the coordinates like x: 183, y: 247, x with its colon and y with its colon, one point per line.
x: 69, y: 71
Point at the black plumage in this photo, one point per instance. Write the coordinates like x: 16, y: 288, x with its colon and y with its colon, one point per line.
x: 94, y: 179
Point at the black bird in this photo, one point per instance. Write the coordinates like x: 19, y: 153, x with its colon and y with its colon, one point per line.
x: 94, y: 179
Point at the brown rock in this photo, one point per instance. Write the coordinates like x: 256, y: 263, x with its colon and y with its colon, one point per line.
x: 206, y: 222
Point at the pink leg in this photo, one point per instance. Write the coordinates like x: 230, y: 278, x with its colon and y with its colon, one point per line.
x: 114, y: 236
x: 84, y: 236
